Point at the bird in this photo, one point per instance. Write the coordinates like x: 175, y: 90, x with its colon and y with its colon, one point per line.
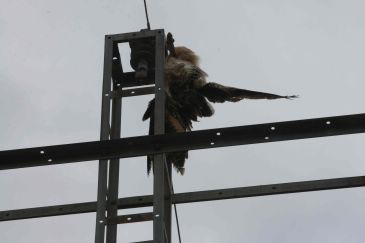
x: 189, y: 96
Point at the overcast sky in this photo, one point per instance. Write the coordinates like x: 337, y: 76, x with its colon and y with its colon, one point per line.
x: 51, y: 76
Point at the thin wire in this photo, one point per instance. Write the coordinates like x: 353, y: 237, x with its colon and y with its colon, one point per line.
x: 175, y: 208
x: 145, y: 9
x: 177, y: 223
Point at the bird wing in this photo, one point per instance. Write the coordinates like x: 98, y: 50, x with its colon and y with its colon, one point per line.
x: 174, y: 123
x: 219, y: 93
x: 182, y: 80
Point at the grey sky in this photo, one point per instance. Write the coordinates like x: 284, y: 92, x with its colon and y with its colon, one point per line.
x: 50, y: 77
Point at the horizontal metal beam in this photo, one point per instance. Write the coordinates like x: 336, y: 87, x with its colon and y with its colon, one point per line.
x: 266, y: 190
x: 128, y: 79
x: 57, y: 210
x: 142, y: 145
x: 190, y: 197
x: 125, y: 37
x: 132, y: 92
x: 130, y: 218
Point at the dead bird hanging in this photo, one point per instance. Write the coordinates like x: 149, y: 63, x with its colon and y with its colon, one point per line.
x: 188, y: 95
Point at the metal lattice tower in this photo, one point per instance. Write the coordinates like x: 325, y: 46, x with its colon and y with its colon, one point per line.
x: 110, y: 148
x: 114, y: 80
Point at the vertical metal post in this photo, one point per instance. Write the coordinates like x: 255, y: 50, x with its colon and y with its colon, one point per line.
x: 112, y: 206
x: 161, y: 204
x: 104, y: 135
x: 109, y: 175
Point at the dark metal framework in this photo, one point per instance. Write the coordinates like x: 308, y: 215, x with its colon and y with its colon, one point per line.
x: 118, y: 84
x: 107, y: 206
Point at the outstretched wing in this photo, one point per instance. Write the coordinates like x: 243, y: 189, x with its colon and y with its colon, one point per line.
x: 219, y: 93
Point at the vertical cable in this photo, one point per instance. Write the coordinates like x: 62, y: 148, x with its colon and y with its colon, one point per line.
x: 145, y: 9
x: 175, y: 208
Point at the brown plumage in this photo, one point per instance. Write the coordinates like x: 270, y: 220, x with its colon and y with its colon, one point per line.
x: 187, y: 95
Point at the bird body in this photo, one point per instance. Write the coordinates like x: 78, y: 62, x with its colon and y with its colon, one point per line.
x: 187, y: 98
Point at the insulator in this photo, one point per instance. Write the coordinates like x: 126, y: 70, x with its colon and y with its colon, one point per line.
x: 142, y: 56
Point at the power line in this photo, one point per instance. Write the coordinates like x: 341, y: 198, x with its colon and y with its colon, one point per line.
x: 145, y: 9
x: 175, y: 208
x: 177, y: 223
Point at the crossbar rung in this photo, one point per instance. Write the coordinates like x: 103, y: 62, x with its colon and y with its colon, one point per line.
x: 130, y: 218
x: 133, y: 92
x: 147, y: 241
